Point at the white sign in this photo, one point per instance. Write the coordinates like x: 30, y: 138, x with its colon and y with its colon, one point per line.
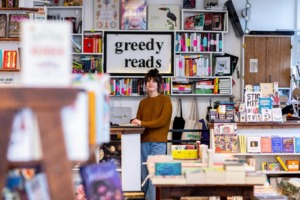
x: 46, y: 54
x: 252, y: 101
x: 138, y: 52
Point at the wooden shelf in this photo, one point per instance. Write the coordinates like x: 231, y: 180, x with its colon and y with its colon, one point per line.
x: 9, y: 70
x: 20, y: 9
x: 10, y: 39
x: 264, y: 125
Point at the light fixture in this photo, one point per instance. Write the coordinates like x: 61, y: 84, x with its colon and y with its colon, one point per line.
x: 246, y: 12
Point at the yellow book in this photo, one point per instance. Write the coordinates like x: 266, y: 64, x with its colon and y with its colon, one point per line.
x: 92, y: 118
x: 281, y: 163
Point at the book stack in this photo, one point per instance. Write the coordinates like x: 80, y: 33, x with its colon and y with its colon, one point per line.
x: 215, y: 175
x: 255, y: 178
x: 195, y: 176
x: 92, y: 43
x: 235, y: 173
x: 224, y: 86
x: 204, y: 86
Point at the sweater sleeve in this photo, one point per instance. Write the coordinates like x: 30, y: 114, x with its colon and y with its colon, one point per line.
x: 163, y: 119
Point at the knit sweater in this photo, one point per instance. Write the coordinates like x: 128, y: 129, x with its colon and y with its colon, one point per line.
x: 155, y: 114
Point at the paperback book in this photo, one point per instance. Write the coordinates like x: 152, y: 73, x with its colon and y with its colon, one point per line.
x: 106, y: 15
x: 101, y: 181
x: 14, y: 24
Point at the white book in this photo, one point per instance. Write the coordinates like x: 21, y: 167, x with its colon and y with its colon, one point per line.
x: 277, y: 115
x: 253, y: 144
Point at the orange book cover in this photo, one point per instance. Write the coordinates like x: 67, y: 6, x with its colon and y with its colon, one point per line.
x: 92, y: 118
x: 9, y: 59
x: 216, y: 86
x: 266, y: 145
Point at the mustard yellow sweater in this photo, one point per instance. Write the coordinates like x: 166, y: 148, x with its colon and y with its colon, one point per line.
x: 155, y: 114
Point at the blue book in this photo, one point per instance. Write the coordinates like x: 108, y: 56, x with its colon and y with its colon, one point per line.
x: 265, y: 102
x: 168, y: 168
x: 276, y: 145
x: 101, y: 181
x: 297, y: 144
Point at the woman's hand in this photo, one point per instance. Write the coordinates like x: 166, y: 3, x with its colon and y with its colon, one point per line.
x: 136, y: 122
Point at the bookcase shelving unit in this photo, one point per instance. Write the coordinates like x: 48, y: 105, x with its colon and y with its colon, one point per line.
x: 261, y: 129
x: 207, y: 54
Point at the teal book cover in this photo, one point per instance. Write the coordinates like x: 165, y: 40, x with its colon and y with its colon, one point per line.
x: 168, y: 168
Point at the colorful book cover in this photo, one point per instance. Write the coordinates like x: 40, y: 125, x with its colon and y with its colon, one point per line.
x: 266, y: 144
x: 9, y: 59
x: 265, y: 102
x: 163, y: 17
x: 134, y: 15
x: 101, y: 181
x: 276, y: 145
x: 14, y: 24
x: 288, y: 145
x: 106, y: 15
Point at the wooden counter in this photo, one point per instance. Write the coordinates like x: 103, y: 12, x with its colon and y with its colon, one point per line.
x: 170, y: 191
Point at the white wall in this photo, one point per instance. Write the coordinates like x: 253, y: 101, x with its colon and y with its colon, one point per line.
x: 265, y: 15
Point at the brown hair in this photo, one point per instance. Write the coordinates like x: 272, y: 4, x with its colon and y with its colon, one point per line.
x: 154, y: 74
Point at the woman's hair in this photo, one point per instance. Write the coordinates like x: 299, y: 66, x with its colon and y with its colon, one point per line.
x: 154, y: 75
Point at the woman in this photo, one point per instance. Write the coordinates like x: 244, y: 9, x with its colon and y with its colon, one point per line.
x: 154, y: 113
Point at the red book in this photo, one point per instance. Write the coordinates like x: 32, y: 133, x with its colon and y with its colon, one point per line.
x: 88, y: 44
x: 9, y: 59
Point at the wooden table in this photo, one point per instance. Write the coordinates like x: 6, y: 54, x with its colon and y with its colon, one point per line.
x: 167, y: 191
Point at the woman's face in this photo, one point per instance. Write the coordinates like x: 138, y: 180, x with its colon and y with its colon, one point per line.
x: 135, y: 13
x: 151, y: 85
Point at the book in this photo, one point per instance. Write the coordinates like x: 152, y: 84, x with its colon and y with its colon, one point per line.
x: 277, y: 115
x: 264, y: 102
x: 101, y: 180
x: 163, y: 17
x: 133, y: 15
x: 253, y: 144
x: 297, y: 144
x: 273, y: 166
x: 9, y: 59
x: 266, y: 144
x: 208, y: 20
x: 168, y: 169
x: 282, y: 164
x: 266, y: 114
x: 266, y: 89
x: 287, y: 145
x: 14, y: 24
x: 189, y: 4
x: 106, y: 15
x: 217, y: 21
x: 3, y: 25
x: 276, y: 144
x: 37, y: 188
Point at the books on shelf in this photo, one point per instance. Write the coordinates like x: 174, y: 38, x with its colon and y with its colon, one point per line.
x: 288, y: 145
x: 282, y: 164
x: 225, y: 137
x: 106, y: 15
x: 92, y: 43
x: 276, y: 144
x: 253, y: 144
x: 14, y: 24
x: 266, y: 144
x: 163, y: 17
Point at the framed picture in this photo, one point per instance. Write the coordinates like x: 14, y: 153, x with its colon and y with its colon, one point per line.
x: 189, y: 3
x: 136, y: 52
x: 223, y: 66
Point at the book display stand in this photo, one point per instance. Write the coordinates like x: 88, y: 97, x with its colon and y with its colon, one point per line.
x: 46, y: 103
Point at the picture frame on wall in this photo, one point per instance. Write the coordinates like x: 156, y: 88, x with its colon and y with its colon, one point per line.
x: 136, y: 52
x: 223, y: 66
x: 106, y: 15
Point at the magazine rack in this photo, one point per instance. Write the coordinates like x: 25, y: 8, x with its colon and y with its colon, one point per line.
x: 47, y: 104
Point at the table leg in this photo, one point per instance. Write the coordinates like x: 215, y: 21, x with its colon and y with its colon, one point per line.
x: 55, y: 161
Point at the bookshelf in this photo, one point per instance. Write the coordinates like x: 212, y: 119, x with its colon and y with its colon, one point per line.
x: 263, y: 129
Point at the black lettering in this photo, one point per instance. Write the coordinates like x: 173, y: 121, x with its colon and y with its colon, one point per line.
x: 134, y: 46
x: 150, y: 45
x: 158, y: 63
x: 126, y: 45
x: 126, y: 62
x: 118, y: 49
x: 142, y: 45
x: 134, y: 63
x: 149, y: 62
x: 142, y: 63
